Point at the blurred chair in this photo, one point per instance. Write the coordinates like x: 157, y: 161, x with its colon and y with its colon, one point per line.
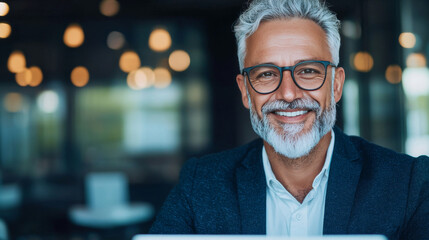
x: 108, y: 205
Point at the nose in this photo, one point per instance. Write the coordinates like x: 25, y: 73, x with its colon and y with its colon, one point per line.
x: 288, y: 90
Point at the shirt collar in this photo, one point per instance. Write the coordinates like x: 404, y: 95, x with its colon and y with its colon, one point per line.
x: 269, y: 175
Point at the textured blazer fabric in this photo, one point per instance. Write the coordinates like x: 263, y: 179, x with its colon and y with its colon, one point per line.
x: 371, y: 190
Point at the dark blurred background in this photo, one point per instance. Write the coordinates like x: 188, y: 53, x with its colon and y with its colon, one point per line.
x: 102, y: 101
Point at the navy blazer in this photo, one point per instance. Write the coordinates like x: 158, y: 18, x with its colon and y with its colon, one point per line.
x: 371, y: 190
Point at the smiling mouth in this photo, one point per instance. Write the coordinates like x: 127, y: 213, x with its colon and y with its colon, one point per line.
x: 291, y: 114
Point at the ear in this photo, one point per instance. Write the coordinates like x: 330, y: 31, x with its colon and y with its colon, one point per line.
x: 338, y: 83
x: 242, y: 86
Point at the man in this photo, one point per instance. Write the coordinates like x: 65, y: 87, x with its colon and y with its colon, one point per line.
x: 305, y: 177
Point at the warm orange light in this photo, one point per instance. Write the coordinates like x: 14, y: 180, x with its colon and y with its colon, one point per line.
x: 5, y: 30
x: 74, y: 36
x: 179, y: 60
x: 36, y: 76
x: 129, y: 61
x: 23, y: 78
x: 140, y: 78
x: 416, y: 60
x: 109, y: 8
x: 162, y: 77
x: 115, y: 40
x: 80, y: 76
x: 131, y: 81
x: 150, y: 75
x: 394, y: 74
x: 16, y: 62
x: 159, y: 40
x: 13, y: 102
x: 4, y: 9
x: 407, y: 40
x: 363, y: 62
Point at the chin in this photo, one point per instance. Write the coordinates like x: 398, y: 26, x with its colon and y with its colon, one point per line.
x: 294, y: 130
x: 293, y: 144
x: 294, y: 140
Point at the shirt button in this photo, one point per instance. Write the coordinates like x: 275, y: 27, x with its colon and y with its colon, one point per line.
x: 298, y: 216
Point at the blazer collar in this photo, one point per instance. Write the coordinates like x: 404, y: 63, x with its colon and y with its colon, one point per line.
x: 251, y: 189
x: 343, y: 180
x: 344, y: 175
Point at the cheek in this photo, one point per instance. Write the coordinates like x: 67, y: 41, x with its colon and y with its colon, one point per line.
x: 258, y: 101
x: 323, y: 95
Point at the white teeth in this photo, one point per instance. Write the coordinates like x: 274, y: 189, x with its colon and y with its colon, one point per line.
x: 291, y: 114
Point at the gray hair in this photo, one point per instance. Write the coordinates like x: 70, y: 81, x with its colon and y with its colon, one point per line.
x: 265, y: 10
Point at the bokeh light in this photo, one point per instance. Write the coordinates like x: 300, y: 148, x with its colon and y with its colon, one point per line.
x: 131, y: 80
x: 150, y: 75
x: 23, y: 78
x: 415, y: 82
x: 362, y: 62
x: 109, y: 8
x: 351, y: 29
x: 179, y: 60
x: 4, y: 9
x: 416, y: 60
x: 5, y: 30
x: 159, y: 40
x: 162, y: 77
x: 140, y: 79
x: 115, y: 40
x: 80, y: 76
x: 13, y: 102
x: 393, y: 74
x: 129, y: 61
x: 48, y: 101
x: 407, y: 40
x: 74, y: 36
x: 36, y: 76
x: 16, y: 62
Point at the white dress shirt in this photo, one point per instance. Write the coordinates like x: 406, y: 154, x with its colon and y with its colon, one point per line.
x: 288, y: 217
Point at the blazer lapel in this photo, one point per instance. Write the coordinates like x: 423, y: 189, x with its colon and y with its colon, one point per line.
x: 251, y: 187
x: 343, y: 180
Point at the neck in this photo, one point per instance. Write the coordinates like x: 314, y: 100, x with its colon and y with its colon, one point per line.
x: 297, y: 175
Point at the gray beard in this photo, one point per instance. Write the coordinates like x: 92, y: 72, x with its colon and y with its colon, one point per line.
x: 292, y: 142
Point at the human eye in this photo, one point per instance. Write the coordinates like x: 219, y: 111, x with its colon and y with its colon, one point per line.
x: 264, y: 74
x: 309, y: 71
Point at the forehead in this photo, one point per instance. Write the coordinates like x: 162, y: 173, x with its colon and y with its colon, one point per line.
x: 286, y: 41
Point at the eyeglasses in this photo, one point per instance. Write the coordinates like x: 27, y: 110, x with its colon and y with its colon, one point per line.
x: 307, y: 75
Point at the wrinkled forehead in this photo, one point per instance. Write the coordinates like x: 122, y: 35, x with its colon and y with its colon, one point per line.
x: 287, y: 38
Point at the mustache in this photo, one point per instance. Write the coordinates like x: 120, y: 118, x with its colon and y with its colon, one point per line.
x: 278, y: 105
